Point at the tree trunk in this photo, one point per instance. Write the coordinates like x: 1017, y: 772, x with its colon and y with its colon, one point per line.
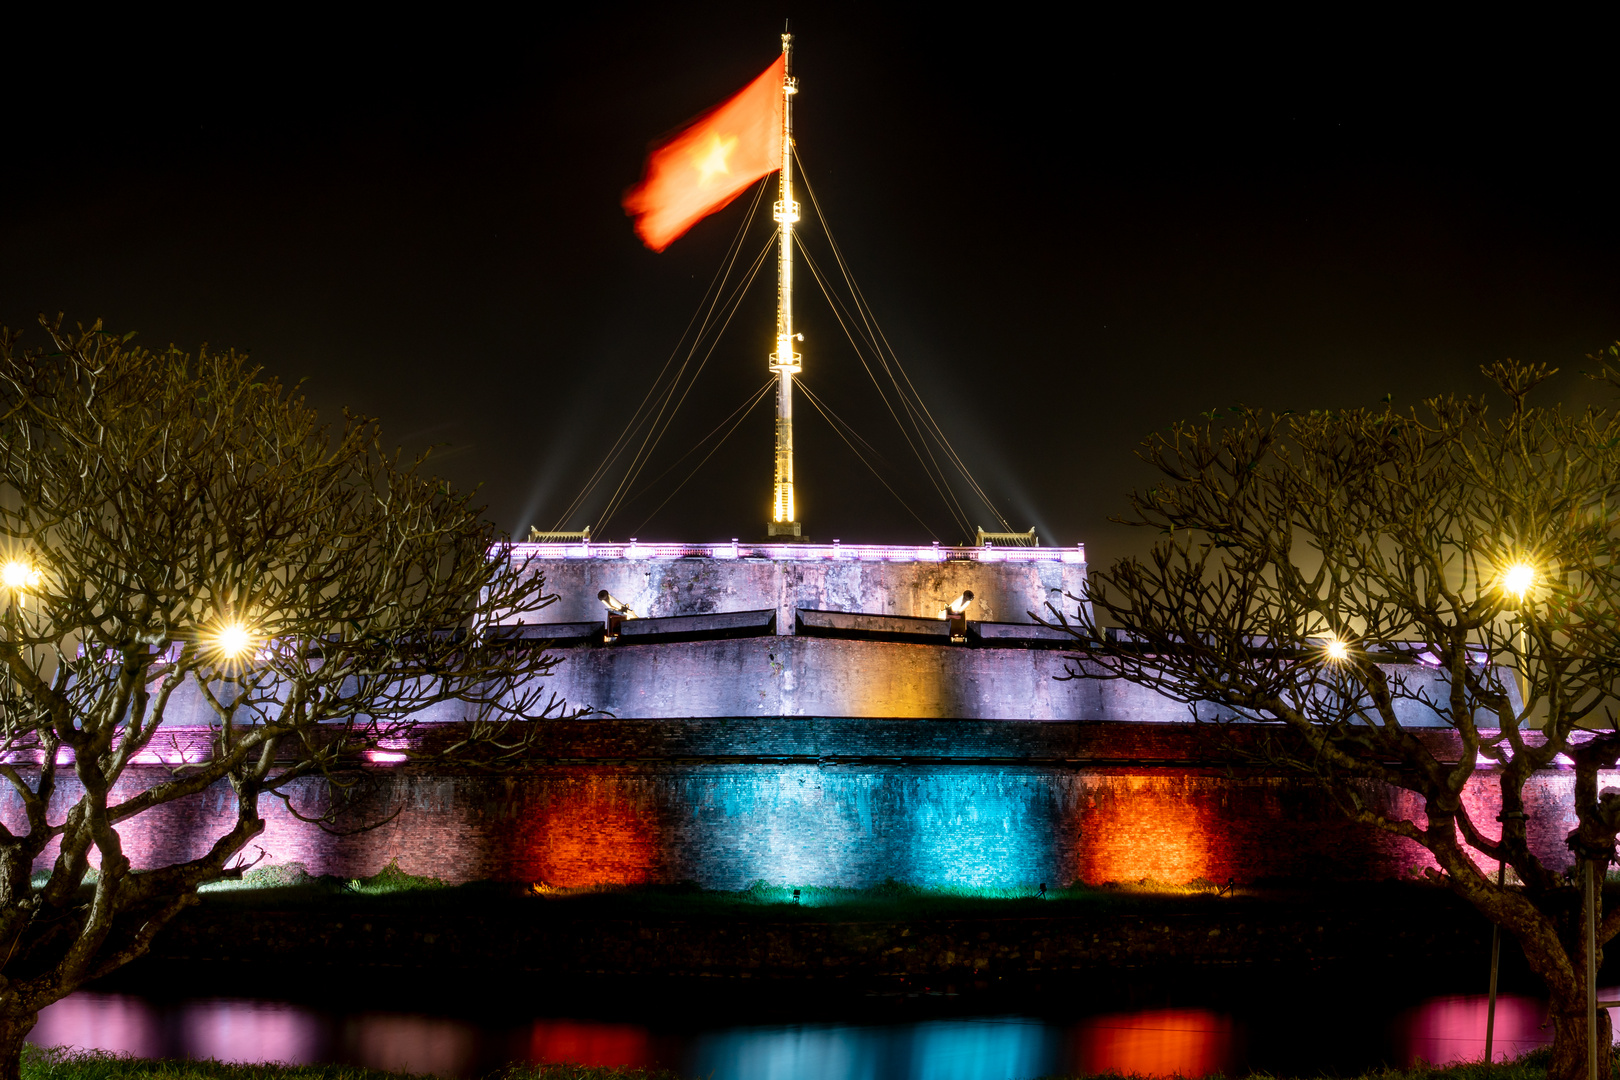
x: 14, y: 1031
x: 1569, y: 1043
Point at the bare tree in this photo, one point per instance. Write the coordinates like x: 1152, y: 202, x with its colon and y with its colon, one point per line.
x: 1309, y: 566
x: 177, y: 526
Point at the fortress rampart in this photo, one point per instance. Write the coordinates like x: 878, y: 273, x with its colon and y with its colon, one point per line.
x: 724, y: 801
x: 802, y: 715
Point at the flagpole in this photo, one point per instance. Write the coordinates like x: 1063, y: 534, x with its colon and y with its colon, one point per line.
x: 784, y: 361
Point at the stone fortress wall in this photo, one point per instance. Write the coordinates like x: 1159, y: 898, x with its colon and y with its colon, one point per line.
x: 727, y: 749
x: 818, y: 801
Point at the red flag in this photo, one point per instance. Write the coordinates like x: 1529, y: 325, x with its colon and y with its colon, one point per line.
x: 710, y: 162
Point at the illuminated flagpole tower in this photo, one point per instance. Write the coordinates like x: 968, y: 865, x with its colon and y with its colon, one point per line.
x: 784, y: 361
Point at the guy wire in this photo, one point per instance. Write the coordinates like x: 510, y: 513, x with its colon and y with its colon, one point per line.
x: 828, y: 415
x: 716, y: 287
x: 936, y: 475
x: 655, y: 433
x: 747, y: 404
x: 877, y: 335
x: 758, y: 396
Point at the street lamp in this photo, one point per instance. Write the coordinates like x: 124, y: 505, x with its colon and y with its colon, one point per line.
x: 231, y: 640
x: 1518, y: 579
x: 19, y: 576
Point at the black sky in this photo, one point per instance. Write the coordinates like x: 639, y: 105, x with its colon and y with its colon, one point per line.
x: 1074, y: 229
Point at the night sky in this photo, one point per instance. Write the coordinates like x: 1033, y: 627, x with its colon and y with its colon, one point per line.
x: 1073, y: 230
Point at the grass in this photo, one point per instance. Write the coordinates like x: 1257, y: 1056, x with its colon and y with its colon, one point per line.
x: 389, y: 881
x: 58, y: 1063
x: 293, y: 886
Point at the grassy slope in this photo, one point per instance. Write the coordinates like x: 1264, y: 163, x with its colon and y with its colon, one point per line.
x: 290, y: 888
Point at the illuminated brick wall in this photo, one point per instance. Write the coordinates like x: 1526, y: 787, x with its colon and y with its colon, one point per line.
x: 845, y: 802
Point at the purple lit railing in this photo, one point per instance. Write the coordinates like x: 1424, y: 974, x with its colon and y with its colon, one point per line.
x: 832, y: 552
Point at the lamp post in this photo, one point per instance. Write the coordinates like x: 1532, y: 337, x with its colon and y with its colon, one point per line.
x: 1517, y: 581
x: 18, y: 577
x: 1496, y: 933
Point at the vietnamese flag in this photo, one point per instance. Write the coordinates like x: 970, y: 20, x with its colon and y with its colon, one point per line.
x: 709, y: 162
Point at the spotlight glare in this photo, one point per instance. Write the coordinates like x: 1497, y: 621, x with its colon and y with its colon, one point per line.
x: 232, y: 640
x: 1336, y: 650
x: 17, y: 574
x: 1518, y: 579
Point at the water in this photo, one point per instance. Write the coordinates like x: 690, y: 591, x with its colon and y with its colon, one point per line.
x: 1296, y: 1029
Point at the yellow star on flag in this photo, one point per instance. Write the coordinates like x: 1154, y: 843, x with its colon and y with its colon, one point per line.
x: 711, y: 160
x: 697, y: 171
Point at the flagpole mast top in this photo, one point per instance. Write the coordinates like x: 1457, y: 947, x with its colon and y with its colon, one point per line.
x: 784, y: 362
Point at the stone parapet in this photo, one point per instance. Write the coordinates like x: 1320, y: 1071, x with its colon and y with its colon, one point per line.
x: 699, y: 579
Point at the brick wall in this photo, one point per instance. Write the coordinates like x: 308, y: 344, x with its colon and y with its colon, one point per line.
x: 835, y: 802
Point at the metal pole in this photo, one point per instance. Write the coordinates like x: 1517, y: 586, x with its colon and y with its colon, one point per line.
x: 1496, y: 959
x: 1589, y: 919
x: 785, y: 362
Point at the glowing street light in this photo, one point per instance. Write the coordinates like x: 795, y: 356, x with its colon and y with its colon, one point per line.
x: 1518, y: 580
x: 232, y: 640
x: 19, y: 576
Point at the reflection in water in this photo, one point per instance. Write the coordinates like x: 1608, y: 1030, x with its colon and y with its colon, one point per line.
x: 1157, y: 1042
x: 124, y: 1025
x: 603, y: 1045
x: 249, y: 1031
x: 1445, y: 1030
x: 1152, y: 1042
x: 403, y: 1043
x: 992, y: 1049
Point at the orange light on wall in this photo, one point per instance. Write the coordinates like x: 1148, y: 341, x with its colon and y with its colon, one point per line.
x: 1161, y: 1042
x: 1149, y: 826
x: 592, y: 832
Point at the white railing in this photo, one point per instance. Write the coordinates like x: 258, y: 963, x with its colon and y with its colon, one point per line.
x: 637, y: 549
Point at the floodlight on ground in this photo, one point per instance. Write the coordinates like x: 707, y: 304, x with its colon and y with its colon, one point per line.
x: 615, y: 605
x: 957, y: 606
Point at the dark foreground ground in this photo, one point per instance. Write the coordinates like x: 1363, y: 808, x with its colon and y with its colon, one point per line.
x: 1312, y: 974
x: 290, y: 931
x: 893, y: 933
x: 56, y: 1064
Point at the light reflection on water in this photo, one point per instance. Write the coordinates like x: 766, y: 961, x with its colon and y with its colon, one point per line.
x: 1155, y: 1042
x: 1446, y: 1030
x: 1148, y: 1042
x: 981, y: 1049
